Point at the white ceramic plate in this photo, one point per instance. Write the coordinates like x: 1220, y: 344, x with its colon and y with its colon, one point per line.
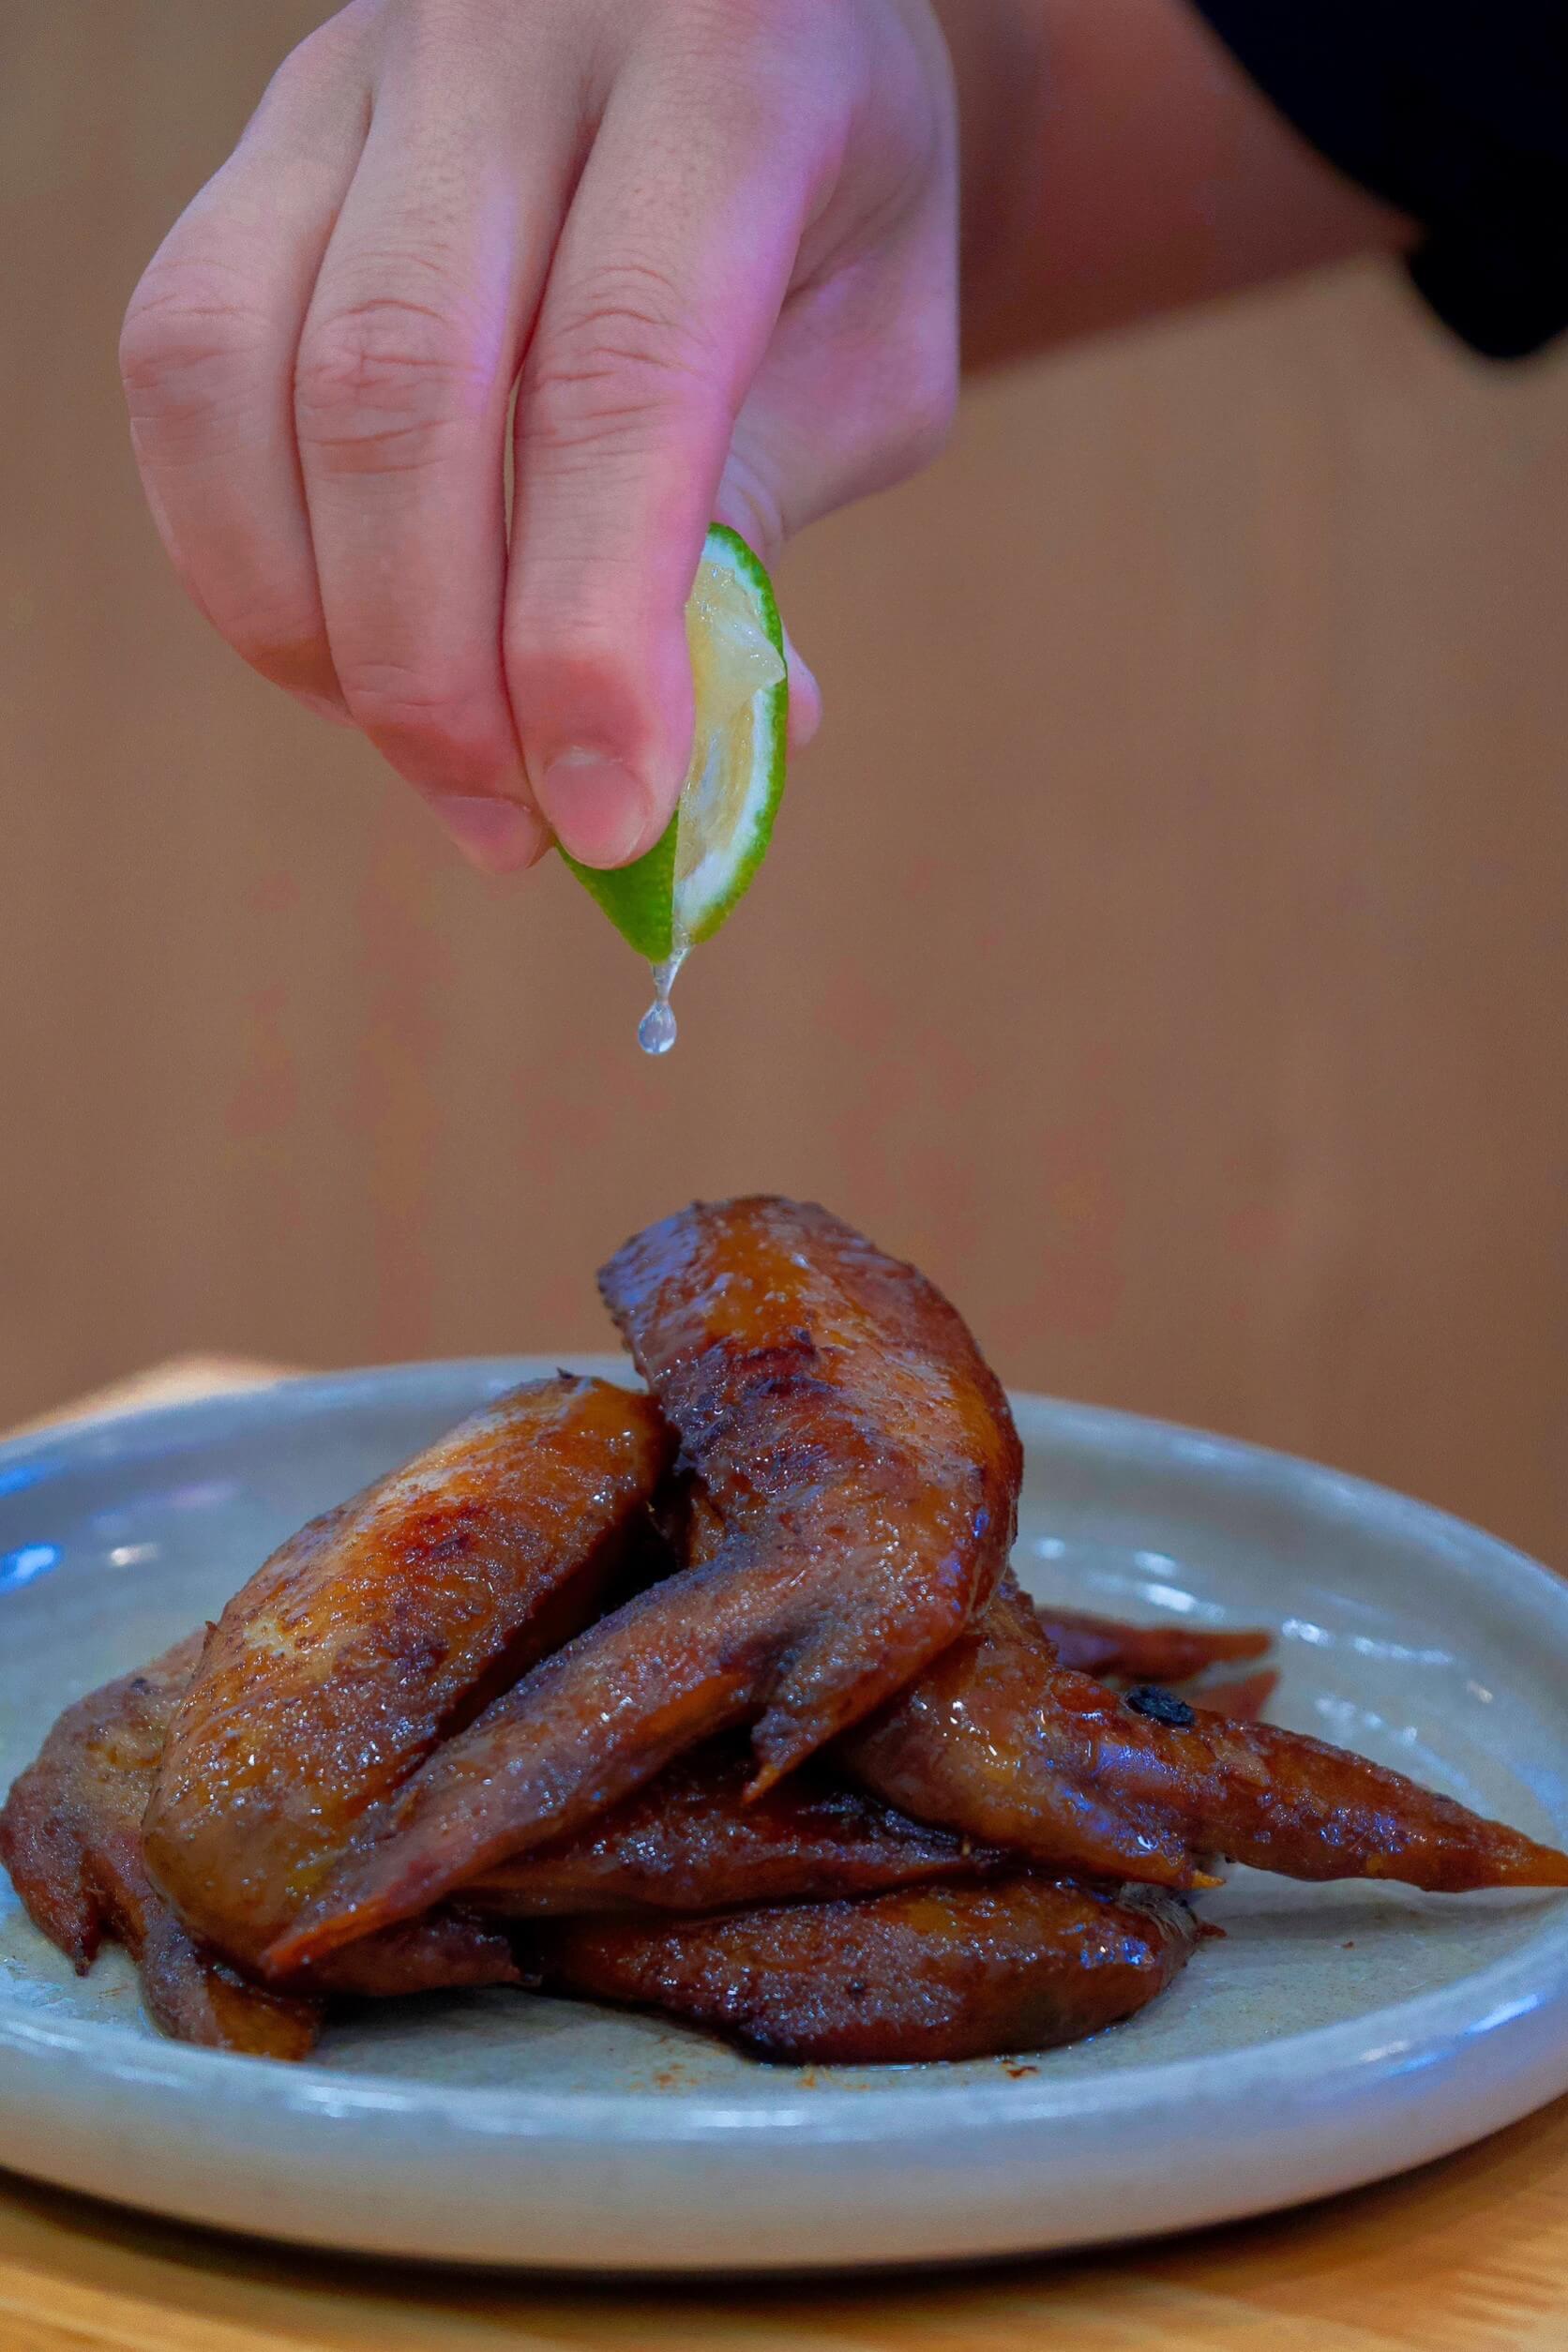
x: 1338, y: 2034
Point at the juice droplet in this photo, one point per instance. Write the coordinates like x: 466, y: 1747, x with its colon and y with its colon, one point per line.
x: 657, y: 1031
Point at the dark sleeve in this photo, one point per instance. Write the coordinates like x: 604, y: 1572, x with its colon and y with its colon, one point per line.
x: 1453, y: 111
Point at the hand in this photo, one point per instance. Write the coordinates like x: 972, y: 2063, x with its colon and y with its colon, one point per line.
x: 712, y: 244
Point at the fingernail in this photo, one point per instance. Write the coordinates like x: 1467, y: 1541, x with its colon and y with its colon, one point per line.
x: 324, y: 707
x: 499, y: 837
x: 598, y: 808
x: 805, y: 697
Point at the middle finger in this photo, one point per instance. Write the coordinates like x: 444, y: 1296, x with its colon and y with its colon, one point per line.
x: 405, y: 363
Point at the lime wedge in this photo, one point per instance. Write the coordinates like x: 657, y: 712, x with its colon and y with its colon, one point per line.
x: 680, y: 891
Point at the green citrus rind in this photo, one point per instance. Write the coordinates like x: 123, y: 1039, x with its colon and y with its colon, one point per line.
x: 639, y: 898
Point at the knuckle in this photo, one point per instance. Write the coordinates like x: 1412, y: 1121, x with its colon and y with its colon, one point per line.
x: 379, y: 380
x: 436, y: 724
x: 433, y: 28
x: 772, y: 78
x: 281, y: 637
x: 619, y: 352
x: 579, y: 669
x: 749, y: 24
x: 574, y: 645
x: 321, y: 56
x: 190, y: 336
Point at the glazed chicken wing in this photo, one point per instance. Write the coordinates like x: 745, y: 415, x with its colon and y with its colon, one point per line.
x: 693, y: 1840
x: 690, y: 1841
x: 857, y: 1474
x: 1102, y: 1646
x: 70, y: 1834
x: 378, y: 1630
x: 1012, y: 1965
x: 997, y: 1739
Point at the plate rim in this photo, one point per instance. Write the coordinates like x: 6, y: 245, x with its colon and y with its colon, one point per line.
x: 112, y: 1433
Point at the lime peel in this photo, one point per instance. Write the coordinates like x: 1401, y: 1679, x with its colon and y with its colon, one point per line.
x: 683, y: 890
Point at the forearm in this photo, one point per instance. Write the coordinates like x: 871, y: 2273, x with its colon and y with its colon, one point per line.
x: 1117, y: 163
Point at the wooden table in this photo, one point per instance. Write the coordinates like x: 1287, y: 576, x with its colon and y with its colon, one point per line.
x: 1472, y: 2253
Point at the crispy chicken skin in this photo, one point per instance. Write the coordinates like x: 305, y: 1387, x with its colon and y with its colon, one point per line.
x: 1102, y: 1646
x: 692, y: 1840
x: 837, y: 1419
x: 70, y: 1835
x: 689, y: 1841
x: 1010, y: 1964
x: 856, y: 1472
x: 998, y: 1738
x: 377, y: 1631
x: 719, y: 1700
x: 447, y: 1951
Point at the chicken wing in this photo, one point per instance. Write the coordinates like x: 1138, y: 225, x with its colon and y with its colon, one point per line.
x: 379, y: 1630
x: 70, y: 1835
x: 1102, y: 1646
x: 690, y: 1841
x: 857, y: 1474
x: 1012, y: 1965
x: 997, y: 1739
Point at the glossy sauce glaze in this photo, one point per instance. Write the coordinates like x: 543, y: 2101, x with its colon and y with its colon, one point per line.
x: 928, y: 1972
x: 999, y: 1739
x: 379, y: 1630
x: 858, y: 1471
x: 691, y: 1841
x: 70, y: 1834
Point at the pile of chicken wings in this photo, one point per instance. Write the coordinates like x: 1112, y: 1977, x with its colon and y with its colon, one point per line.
x: 717, y: 1698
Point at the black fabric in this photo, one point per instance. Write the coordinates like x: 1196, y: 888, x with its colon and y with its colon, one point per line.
x: 1453, y: 111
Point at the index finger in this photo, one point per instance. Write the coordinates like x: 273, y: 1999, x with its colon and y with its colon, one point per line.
x: 671, y: 268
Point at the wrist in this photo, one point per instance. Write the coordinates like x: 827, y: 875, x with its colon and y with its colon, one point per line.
x: 998, y: 52
x: 1118, y: 163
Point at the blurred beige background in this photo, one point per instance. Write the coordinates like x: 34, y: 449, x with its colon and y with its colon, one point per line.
x: 1165, y: 946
